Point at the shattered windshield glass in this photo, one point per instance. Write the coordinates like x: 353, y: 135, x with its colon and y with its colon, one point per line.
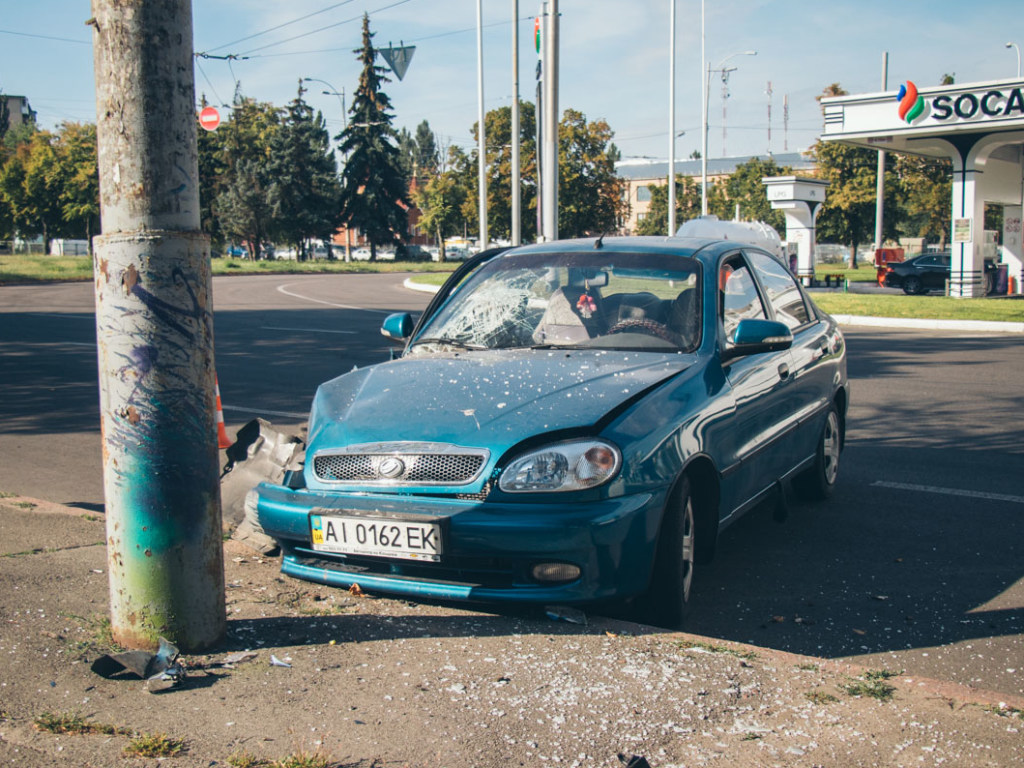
x: 601, y: 300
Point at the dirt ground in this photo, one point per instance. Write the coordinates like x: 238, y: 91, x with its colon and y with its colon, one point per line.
x: 372, y: 681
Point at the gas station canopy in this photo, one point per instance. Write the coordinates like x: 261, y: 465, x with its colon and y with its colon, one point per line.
x: 979, y: 127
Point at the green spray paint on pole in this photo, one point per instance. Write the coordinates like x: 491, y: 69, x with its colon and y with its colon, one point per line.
x: 154, y: 325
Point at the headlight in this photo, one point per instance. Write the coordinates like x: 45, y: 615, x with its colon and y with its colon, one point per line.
x: 570, y: 466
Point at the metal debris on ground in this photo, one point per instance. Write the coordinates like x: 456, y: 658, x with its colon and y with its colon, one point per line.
x: 162, y: 665
x: 634, y: 761
x: 563, y: 613
x: 276, y: 662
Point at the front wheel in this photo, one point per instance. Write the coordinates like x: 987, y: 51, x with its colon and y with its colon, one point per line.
x: 668, y: 597
x: 912, y: 286
x: 818, y: 482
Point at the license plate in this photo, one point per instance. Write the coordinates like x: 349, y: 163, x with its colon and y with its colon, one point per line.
x: 376, y: 537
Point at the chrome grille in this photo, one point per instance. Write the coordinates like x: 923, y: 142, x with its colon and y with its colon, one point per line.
x: 420, y: 464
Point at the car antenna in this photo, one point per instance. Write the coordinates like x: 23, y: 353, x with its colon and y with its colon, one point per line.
x: 597, y: 243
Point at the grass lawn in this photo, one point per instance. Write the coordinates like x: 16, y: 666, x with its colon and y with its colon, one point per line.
x: 41, y: 269
x: 1009, y: 310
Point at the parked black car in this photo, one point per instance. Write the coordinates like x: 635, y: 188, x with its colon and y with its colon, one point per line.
x: 928, y: 272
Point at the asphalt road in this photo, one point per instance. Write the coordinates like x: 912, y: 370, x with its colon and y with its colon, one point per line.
x: 916, y: 563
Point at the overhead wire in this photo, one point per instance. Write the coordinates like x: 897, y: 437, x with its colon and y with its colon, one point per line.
x: 282, y: 26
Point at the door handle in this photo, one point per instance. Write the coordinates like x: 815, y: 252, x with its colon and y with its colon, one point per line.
x: 783, y: 371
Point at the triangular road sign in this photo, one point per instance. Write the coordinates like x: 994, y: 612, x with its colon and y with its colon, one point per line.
x: 398, y: 58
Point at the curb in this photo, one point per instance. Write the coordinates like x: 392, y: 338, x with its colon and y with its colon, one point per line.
x: 987, y: 326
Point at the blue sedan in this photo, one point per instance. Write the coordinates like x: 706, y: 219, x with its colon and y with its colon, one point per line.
x: 568, y: 422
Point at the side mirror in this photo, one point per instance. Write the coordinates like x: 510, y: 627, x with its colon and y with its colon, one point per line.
x: 752, y: 337
x: 398, y: 327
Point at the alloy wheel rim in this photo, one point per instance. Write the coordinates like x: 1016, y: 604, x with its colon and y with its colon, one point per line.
x: 830, y: 448
x: 688, y: 551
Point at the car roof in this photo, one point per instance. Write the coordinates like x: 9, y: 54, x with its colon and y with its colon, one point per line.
x: 704, y: 249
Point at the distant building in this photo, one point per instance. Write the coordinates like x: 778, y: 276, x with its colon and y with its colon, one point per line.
x: 641, y: 175
x: 19, y: 111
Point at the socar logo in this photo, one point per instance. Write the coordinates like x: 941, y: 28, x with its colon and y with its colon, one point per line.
x: 911, y: 104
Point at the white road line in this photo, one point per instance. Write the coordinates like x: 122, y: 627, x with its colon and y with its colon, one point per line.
x: 951, y: 491
x: 260, y: 411
x: 284, y: 289
x: 303, y: 330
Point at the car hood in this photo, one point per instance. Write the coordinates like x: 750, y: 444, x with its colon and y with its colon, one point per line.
x: 482, y: 399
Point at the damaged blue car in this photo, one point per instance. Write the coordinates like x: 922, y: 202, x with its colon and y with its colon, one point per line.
x: 568, y: 422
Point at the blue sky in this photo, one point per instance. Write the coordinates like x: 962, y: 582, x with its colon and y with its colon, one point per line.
x: 614, y: 59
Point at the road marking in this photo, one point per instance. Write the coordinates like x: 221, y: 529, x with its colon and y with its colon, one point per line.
x: 951, y: 491
x: 304, y: 330
x: 284, y: 289
x: 260, y: 411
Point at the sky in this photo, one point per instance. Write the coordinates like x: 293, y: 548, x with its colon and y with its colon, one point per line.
x: 614, y: 60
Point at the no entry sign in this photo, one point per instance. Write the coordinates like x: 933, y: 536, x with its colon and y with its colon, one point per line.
x: 209, y: 118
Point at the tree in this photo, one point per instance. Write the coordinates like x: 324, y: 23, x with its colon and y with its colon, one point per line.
x: 848, y: 215
x: 243, y: 206
x: 498, y: 124
x: 925, y: 188
x: 304, y: 190
x: 745, y: 188
x: 687, y: 206
x: 590, y: 199
x: 374, y: 194
x: 30, y: 188
x: 241, y: 190
x: 440, y: 201
x: 427, y: 156
x: 79, y: 180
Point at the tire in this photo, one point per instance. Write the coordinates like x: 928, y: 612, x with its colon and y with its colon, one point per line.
x: 667, y: 600
x: 818, y: 482
x: 912, y: 286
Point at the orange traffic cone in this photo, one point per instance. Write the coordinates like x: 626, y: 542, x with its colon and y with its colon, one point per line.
x: 223, y: 441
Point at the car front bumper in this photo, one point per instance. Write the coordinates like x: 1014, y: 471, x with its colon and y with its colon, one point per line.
x: 490, y: 549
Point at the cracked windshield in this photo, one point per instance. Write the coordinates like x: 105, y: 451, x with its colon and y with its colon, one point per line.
x: 603, y: 300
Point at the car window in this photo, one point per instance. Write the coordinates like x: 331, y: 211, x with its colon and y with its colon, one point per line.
x: 739, y: 296
x: 608, y: 300
x: 784, y: 294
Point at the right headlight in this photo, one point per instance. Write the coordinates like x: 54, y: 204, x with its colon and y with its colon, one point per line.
x: 569, y: 466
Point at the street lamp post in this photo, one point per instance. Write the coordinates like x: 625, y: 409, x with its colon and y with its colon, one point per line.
x: 344, y: 127
x: 333, y: 92
x: 1017, y: 47
x: 704, y: 135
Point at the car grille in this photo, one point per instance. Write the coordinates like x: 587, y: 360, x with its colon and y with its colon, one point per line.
x: 468, y: 571
x: 398, y: 464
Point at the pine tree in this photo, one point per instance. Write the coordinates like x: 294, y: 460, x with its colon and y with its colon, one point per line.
x: 304, y: 191
x: 374, y: 195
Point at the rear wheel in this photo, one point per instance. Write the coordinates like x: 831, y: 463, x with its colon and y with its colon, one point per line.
x: 818, y: 482
x: 668, y: 597
x: 912, y: 285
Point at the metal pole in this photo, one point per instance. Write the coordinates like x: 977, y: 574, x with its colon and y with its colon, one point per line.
x: 705, y: 82
x: 672, y: 119
x: 481, y: 130
x: 550, y: 193
x: 154, y: 327
x: 514, y: 139
x: 880, y: 182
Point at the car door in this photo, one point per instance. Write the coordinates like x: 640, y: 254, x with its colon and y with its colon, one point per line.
x: 759, y: 386
x: 811, y: 355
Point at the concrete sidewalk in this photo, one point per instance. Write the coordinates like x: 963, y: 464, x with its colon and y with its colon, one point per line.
x: 382, y: 682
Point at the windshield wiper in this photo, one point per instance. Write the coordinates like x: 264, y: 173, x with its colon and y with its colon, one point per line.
x: 551, y: 345
x: 449, y: 342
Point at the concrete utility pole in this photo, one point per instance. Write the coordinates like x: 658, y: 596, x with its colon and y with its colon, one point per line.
x: 517, y: 193
x: 549, y: 182
x: 154, y: 327
x: 481, y: 129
